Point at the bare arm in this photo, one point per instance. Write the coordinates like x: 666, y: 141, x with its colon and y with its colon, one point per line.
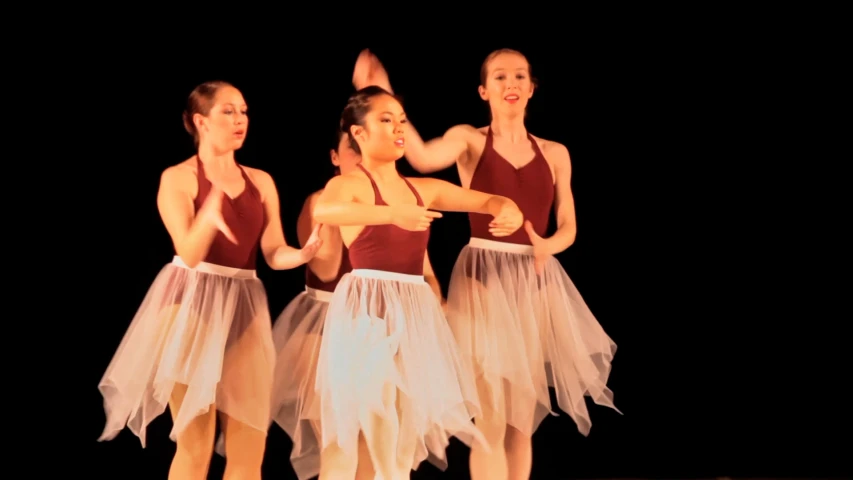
x: 191, y: 237
x: 439, y: 153
x: 326, y: 262
x: 337, y: 206
x: 566, y: 232
x: 429, y: 276
x: 277, y: 253
x: 445, y: 196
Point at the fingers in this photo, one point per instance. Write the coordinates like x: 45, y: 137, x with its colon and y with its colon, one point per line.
x: 316, y: 231
x: 539, y: 265
x: 220, y: 223
x: 433, y: 214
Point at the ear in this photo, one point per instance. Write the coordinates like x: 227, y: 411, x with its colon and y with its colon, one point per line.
x: 484, y: 94
x: 358, y: 132
x: 532, y: 89
x: 335, y: 160
x: 198, y: 121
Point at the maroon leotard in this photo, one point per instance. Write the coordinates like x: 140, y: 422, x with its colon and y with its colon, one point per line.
x: 313, y: 281
x: 388, y: 247
x: 244, y: 215
x: 531, y: 187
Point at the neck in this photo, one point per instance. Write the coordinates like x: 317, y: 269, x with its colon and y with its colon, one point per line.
x: 509, y: 128
x: 211, y: 156
x: 380, y: 169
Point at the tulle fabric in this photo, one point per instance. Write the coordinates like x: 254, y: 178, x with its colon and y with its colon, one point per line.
x: 206, y: 327
x: 386, y: 329
x: 295, y: 407
x: 526, y: 333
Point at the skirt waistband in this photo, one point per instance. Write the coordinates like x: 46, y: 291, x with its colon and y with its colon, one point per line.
x: 320, y: 295
x: 501, y: 246
x: 211, y: 268
x: 383, y: 275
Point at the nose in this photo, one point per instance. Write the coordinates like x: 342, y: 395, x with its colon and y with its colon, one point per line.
x: 398, y: 127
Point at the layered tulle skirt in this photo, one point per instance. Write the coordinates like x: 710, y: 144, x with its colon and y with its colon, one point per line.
x: 388, y: 367
x: 202, y: 337
x: 295, y: 406
x: 525, y: 333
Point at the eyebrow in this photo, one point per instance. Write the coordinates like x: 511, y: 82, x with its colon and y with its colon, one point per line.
x: 390, y: 113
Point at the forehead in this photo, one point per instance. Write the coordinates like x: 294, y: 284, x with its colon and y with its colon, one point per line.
x: 385, y: 104
x: 229, y: 95
x: 508, y: 62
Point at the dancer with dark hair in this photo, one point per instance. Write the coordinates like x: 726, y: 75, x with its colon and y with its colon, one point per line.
x: 512, y: 307
x: 388, y: 365
x: 298, y: 330
x: 201, y: 341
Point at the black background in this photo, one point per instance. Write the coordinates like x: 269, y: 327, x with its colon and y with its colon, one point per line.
x: 720, y: 371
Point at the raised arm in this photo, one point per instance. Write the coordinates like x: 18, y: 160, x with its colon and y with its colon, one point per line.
x: 277, y: 253
x: 441, y: 152
x: 437, y: 154
x: 191, y: 235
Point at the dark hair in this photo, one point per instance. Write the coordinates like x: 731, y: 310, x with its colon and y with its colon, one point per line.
x: 357, y: 108
x: 201, y: 101
x: 336, y: 140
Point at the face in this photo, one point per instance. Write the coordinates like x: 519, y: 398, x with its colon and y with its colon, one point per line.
x: 227, y: 123
x: 383, y: 135
x: 508, y: 87
x: 345, y: 158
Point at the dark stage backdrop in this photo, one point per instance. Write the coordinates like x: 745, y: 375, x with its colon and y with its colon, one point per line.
x: 699, y: 399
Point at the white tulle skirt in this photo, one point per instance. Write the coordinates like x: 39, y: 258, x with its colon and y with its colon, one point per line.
x: 387, y: 358
x: 526, y: 333
x: 202, y: 333
x: 295, y: 407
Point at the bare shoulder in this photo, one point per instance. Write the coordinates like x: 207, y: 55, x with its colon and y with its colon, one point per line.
x: 555, y: 152
x: 181, y: 176
x: 258, y: 176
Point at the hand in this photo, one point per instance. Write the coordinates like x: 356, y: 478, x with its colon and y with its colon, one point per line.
x: 541, y: 252
x: 312, y: 246
x: 211, y: 213
x: 507, y: 221
x: 369, y: 71
x: 413, y: 217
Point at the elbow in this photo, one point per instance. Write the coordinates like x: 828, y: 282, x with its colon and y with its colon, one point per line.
x: 191, y: 261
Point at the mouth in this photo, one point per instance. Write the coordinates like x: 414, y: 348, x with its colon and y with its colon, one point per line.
x: 240, y: 133
x: 511, y: 98
x: 400, y: 142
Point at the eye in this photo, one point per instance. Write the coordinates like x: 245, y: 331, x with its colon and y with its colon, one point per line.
x: 499, y: 77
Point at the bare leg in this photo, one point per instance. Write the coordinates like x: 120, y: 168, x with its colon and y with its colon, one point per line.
x: 244, y: 450
x: 381, y: 433
x: 335, y: 464
x: 365, y: 464
x: 485, y: 465
x: 519, y: 454
x: 195, y: 443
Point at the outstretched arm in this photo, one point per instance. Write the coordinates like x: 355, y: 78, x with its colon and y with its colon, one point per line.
x: 337, y: 206
x: 441, y: 195
x: 191, y: 235
x: 278, y: 254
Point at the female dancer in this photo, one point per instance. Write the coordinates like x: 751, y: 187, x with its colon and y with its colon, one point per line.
x: 510, y: 303
x: 297, y: 332
x: 388, y: 365
x: 201, y: 340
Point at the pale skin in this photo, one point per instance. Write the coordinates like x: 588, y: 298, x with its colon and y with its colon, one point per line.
x: 507, y: 89
x: 327, y: 262
x: 348, y: 202
x: 221, y: 132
